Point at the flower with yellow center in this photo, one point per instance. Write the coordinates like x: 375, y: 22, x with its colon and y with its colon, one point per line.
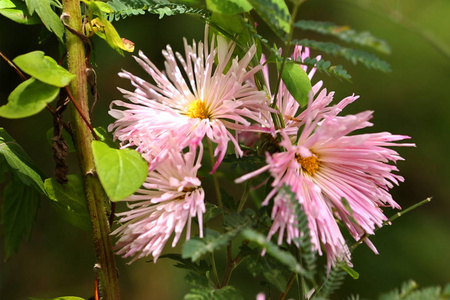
x: 309, y: 165
x: 205, y: 93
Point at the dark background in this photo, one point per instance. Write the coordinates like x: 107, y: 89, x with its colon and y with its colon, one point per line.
x: 412, y: 100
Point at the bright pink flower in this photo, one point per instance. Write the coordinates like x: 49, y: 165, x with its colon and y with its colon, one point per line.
x: 170, y: 197
x: 327, y: 165
x: 194, y: 98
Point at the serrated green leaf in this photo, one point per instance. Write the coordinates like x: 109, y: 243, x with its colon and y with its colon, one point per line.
x: 28, y: 98
x: 194, y: 248
x: 44, y: 10
x: 44, y: 68
x: 17, y: 11
x: 187, y: 264
x: 228, y: 7
x: 197, y: 280
x: 211, y: 212
x: 70, y: 200
x: 297, y: 82
x: 345, y: 33
x: 275, y: 13
x: 282, y: 256
x: 20, y: 162
x: 19, y: 207
x: 121, y: 172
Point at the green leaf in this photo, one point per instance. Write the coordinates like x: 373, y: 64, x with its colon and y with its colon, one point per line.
x: 121, y: 172
x: 350, y: 271
x: 211, y: 212
x: 353, y: 55
x: 70, y: 200
x: 275, y: 13
x: 28, y: 98
x: 45, y: 12
x: 17, y: 11
x: 345, y: 33
x: 20, y: 162
x: 228, y: 7
x: 19, y: 207
x: 282, y: 256
x: 187, y: 264
x: 44, y: 68
x: 297, y: 82
x: 111, y: 36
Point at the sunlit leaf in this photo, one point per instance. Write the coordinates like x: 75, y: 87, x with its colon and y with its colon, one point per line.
x: 28, y: 98
x: 228, y: 7
x: 51, y: 20
x: 44, y: 68
x: 70, y: 200
x: 121, y: 172
x: 106, y: 31
x: 297, y: 82
x: 350, y: 271
x: 17, y: 11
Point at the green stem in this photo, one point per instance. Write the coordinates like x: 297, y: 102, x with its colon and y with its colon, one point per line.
x: 229, y: 267
x: 288, y: 286
x: 95, y: 195
x: 388, y: 222
x: 214, y: 269
x: 215, y: 179
x: 244, y: 196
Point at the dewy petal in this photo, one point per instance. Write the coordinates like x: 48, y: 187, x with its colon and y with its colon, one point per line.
x: 174, y: 198
x: 158, y: 112
x: 349, y: 183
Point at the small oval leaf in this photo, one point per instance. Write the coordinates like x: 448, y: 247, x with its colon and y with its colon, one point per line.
x: 44, y: 68
x: 17, y: 11
x: 121, y: 172
x: 297, y: 82
x: 28, y: 98
x: 228, y: 7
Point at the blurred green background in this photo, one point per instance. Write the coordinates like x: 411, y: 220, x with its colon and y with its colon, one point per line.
x: 413, y: 100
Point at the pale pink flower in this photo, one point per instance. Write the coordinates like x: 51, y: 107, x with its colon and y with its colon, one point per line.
x: 170, y: 197
x: 326, y: 165
x: 192, y: 99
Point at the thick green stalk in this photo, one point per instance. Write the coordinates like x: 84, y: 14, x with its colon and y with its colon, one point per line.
x: 95, y: 195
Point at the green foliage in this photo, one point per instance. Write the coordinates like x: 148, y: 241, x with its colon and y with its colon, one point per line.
x: 234, y: 223
x: 187, y: 264
x: 282, y: 256
x: 43, y: 68
x: 297, y: 82
x: 20, y: 196
x: 353, y: 55
x: 346, y: 34
x: 123, y: 9
x: 28, y: 98
x: 44, y: 9
x: 211, y: 212
x: 17, y: 11
x: 409, y: 291
x: 228, y: 7
x: 225, y: 293
x: 275, y: 13
x: 245, y: 163
x: 20, y: 163
x: 70, y: 200
x: 333, y: 280
x: 325, y: 66
x: 121, y: 172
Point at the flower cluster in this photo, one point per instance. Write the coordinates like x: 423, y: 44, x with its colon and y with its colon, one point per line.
x: 337, y: 176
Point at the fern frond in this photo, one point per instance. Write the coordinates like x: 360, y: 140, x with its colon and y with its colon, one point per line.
x: 123, y: 9
x: 325, y: 66
x: 332, y: 281
x: 346, y: 34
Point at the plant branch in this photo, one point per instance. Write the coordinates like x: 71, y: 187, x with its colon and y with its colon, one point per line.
x: 95, y: 195
x: 288, y: 286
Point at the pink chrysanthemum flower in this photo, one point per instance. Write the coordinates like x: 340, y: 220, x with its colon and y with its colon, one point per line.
x: 200, y: 99
x: 325, y: 166
x: 170, y: 197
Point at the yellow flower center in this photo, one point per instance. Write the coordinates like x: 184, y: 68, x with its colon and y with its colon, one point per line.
x: 309, y: 165
x: 197, y: 109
